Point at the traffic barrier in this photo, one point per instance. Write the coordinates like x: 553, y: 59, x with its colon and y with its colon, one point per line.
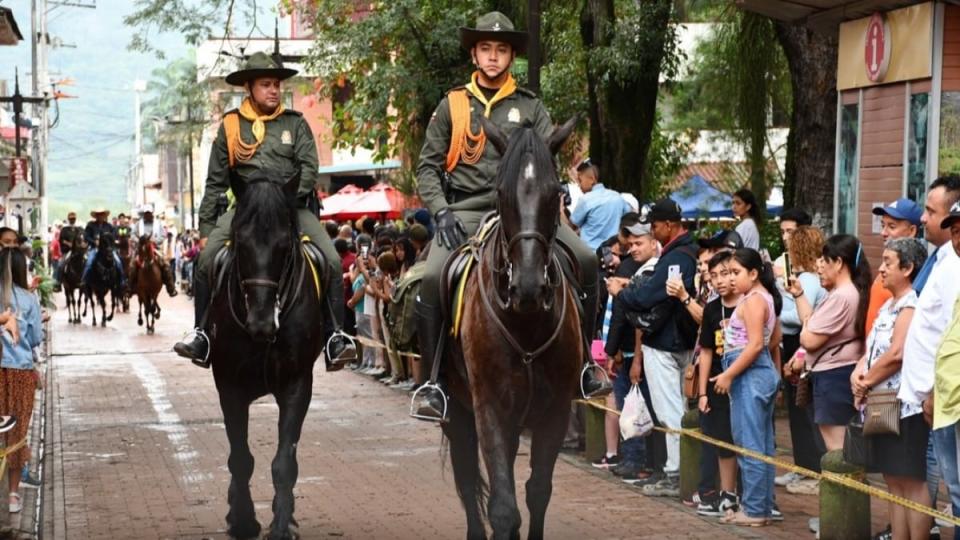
x: 842, y: 479
x: 844, y: 513
x: 595, y: 442
x: 690, y: 451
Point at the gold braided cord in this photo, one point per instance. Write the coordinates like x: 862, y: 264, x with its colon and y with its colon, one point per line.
x: 465, y: 145
x: 243, y: 150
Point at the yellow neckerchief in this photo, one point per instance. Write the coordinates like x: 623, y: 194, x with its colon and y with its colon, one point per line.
x: 505, y: 91
x: 243, y: 150
x: 465, y: 145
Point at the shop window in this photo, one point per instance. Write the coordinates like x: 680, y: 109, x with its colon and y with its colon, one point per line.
x: 949, y: 133
x: 847, y: 169
x: 917, y: 147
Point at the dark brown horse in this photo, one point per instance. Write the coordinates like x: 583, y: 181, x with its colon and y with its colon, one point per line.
x: 516, y: 364
x: 126, y: 247
x: 149, y: 282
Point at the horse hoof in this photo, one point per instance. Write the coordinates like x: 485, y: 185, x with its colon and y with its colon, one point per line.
x: 139, y: 322
x: 289, y: 534
x: 246, y: 530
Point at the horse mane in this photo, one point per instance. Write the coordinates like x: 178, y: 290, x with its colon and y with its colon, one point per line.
x: 523, y: 141
x: 270, y: 206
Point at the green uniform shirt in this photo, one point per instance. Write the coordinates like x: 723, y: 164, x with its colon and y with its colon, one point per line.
x: 520, y: 107
x: 287, y: 148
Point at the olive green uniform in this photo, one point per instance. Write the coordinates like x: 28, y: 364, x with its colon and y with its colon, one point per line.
x: 469, y: 190
x: 288, y: 148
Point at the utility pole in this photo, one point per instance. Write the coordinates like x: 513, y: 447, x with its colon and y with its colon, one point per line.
x: 139, y: 86
x: 533, y: 45
x: 18, y: 100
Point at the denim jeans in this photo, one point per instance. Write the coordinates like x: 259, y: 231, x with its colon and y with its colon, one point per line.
x: 88, y: 264
x: 664, y: 373
x: 632, y: 451
x: 752, y: 395
x: 945, y: 448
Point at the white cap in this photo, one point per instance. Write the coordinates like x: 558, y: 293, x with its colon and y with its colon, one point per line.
x: 632, y: 201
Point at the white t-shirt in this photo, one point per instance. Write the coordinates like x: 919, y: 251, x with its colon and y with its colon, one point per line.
x: 933, y: 312
x: 749, y: 233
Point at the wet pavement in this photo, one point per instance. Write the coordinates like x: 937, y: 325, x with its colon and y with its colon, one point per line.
x: 136, y: 449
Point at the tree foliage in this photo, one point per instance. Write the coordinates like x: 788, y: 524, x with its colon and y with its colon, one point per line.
x: 176, y: 107
x: 195, y: 20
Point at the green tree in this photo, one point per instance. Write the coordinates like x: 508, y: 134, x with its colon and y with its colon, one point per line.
x: 177, y: 104
x: 195, y: 20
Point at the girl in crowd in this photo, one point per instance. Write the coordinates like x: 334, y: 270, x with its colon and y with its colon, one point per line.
x: 901, y: 458
x: 18, y: 379
x: 752, y: 378
x: 746, y: 210
x: 833, y: 335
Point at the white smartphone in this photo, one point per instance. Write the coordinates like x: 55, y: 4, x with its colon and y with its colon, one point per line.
x: 673, y: 272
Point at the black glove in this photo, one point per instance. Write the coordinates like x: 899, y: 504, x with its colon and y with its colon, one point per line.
x: 450, y: 230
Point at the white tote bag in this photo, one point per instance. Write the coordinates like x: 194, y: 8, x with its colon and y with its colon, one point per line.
x: 635, y: 419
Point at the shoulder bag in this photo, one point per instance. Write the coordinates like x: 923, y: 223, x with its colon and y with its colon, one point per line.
x: 804, y: 394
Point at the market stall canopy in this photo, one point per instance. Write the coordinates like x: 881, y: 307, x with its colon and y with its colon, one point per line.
x: 381, y: 201
x: 699, y: 199
x: 347, y: 196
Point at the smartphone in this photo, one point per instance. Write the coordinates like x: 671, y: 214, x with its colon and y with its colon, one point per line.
x: 607, y: 256
x: 364, y: 250
x: 787, y: 269
x: 673, y: 272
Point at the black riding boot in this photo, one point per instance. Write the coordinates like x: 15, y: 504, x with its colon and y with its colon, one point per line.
x: 198, y: 349
x: 339, y: 349
x: 430, y: 400
x: 168, y: 280
x: 591, y: 385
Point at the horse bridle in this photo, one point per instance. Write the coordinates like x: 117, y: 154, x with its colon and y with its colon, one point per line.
x: 283, y: 286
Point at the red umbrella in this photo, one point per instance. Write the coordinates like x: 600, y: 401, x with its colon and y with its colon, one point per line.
x: 345, y: 198
x: 381, y: 201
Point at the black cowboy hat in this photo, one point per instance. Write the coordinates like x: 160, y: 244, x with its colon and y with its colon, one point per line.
x: 493, y: 26
x: 260, y: 64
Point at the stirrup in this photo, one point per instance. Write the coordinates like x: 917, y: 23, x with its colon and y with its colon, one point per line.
x: 342, y: 359
x: 603, y: 390
x: 200, y: 333
x: 413, y: 403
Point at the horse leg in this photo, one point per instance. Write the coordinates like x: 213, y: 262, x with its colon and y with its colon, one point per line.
x: 461, y: 431
x: 139, y: 311
x: 294, y: 400
x: 241, y: 518
x: 545, y: 446
x: 498, y: 442
x: 103, y: 310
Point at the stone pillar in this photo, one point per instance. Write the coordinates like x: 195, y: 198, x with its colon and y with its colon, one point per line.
x: 690, y: 450
x: 844, y: 513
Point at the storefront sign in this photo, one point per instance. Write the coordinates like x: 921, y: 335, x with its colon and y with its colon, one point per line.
x: 886, y: 47
x: 876, y: 53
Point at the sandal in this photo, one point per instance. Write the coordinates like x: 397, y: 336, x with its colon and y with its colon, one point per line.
x: 16, y: 504
x: 742, y: 520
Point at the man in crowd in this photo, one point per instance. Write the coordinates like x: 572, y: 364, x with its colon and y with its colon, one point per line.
x: 899, y: 219
x: 939, y: 287
x: 154, y: 230
x: 597, y: 214
x: 670, y: 333
x: 95, y: 231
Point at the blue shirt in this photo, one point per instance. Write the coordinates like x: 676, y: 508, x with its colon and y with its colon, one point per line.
x: 924, y: 273
x: 598, y: 214
x: 789, y: 316
x: 358, y: 284
x: 27, y: 310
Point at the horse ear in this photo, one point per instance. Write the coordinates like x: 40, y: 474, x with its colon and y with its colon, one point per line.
x: 560, y: 134
x: 494, y: 135
x: 292, y: 186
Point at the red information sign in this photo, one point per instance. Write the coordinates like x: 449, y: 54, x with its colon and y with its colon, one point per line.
x: 18, y: 170
x: 876, y: 50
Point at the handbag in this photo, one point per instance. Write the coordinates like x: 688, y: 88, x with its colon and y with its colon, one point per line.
x: 882, y: 414
x: 804, y: 394
x: 691, y: 381
x: 856, y: 447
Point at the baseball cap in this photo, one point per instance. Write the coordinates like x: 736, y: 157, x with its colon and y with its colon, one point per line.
x: 639, y: 229
x: 903, y: 209
x: 722, y: 239
x: 952, y: 217
x: 663, y: 210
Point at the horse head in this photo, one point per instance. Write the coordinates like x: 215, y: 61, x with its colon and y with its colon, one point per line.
x: 263, y: 236
x: 105, y: 245
x: 528, y: 201
x: 146, y: 250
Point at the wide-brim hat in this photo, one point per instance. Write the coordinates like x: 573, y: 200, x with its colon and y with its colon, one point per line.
x: 260, y: 64
x: 99, y: 210
x: 493, y: 26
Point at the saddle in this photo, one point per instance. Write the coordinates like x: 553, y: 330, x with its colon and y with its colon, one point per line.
x: 461, y: 263
x: 316, y: 262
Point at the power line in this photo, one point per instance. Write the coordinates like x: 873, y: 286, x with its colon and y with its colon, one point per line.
x: 91, y: 152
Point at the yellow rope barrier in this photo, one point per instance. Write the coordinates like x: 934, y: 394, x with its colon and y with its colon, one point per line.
x: 828, y: 476
x: 378, y: 345
x: 7, y: 451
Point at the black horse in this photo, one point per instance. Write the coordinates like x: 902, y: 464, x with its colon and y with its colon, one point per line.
x: 103, y: 279
x: 71, y: 274
x: 265, y: 321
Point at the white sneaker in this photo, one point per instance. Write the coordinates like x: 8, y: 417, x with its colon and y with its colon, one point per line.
x: 15, y: 503
x: 804, y: 486
x: 788, y: 478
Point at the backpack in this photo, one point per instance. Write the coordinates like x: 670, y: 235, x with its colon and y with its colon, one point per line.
x: 401, y: 311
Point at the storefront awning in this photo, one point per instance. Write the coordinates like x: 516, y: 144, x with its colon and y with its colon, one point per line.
x: 9, y: 32
x: 821, y: 15
x: 360, y: 167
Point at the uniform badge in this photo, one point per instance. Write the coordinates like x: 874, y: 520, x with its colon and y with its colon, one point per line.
x: 286, y: 137
x: 514, y: 115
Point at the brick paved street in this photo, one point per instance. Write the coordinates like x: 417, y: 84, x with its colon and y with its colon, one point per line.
x: 137, y: 450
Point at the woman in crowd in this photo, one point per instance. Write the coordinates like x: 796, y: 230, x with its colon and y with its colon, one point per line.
x: 804, y: 246
x: 405, y: 253
x: 833, y: 334
x: 746, y: 210
x: 18, y: 377
x: 751, y: 378
x: 901, y: 458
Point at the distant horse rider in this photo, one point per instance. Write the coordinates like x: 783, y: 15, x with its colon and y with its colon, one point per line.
x: 148, y: 226
x: 457, y: 181
x: 263, y: 136
x: 92, y: 234
x: 70, y: 235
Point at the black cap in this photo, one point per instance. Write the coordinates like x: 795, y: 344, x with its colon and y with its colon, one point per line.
x: 952, y: 217
x: 722, y: 239
x: 662, y: 210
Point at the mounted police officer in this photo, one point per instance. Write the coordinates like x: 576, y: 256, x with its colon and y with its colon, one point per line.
x: 262, y: 135
x: 148, y: 226
x: 70, y: 235
x: 95, y: 230
x: 456, y: 176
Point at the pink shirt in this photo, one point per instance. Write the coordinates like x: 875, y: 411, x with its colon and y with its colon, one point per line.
x: 836, y: 317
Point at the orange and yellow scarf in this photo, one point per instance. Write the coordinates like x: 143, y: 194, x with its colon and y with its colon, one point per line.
x: 465, y: 145
x: 237, y: 148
